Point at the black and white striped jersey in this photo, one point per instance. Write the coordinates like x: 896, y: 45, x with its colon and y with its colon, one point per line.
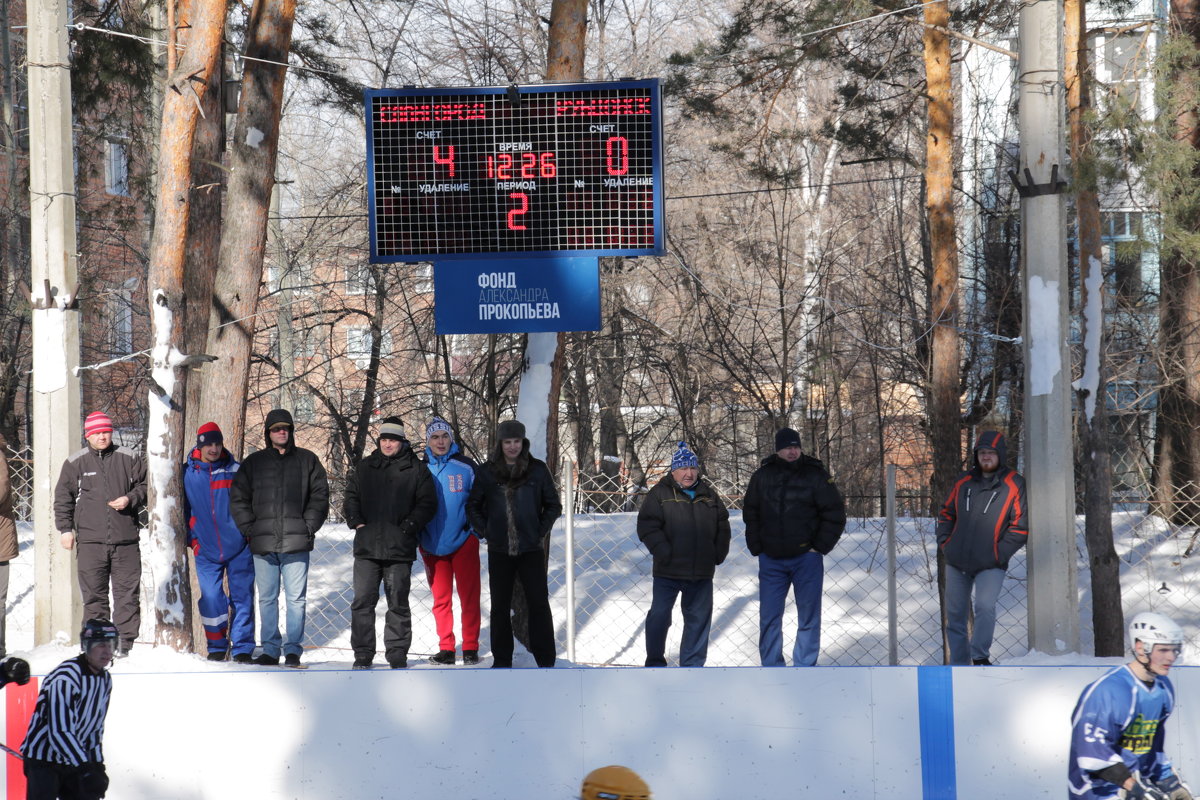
x: 68, y: 721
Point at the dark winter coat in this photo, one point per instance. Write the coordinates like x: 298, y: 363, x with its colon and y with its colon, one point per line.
x: 687, y: 536
x: 280, y: 500
x: 792, y: 507
x: 88, y: 481
x: 393, y: 499
x: 513, y: 508
x: 982, y: 523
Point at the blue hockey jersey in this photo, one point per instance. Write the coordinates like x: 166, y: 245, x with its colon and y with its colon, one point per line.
x: 453, y: 473
x: 1118, y: 719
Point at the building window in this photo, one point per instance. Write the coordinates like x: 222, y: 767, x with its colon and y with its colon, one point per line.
x: 122, y: 323
x: 359, y: 279
x: 358, y: 344
x: 423, y: 277
x: 116, y: 167
x: 305, y: 411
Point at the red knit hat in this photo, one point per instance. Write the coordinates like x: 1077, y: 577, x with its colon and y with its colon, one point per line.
x: 97, y: 422
x: 208, y: 433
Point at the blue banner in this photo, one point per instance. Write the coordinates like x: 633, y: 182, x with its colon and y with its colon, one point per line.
x: 532, y: 295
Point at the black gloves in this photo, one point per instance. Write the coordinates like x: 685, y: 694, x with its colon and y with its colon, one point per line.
x: 93, y: 780
x: 1174, y: 788
x: 1144, y: 791
x: 14, y: 670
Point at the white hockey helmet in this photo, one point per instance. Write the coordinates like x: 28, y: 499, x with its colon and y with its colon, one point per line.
x: 1154, y: 628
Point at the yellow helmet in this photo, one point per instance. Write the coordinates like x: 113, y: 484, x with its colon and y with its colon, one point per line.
x: 614, y: 783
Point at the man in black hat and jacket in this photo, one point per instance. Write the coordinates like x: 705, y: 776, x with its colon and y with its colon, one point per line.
x: 390, y: 498
x: 279, y: 500
x: 794, y: 516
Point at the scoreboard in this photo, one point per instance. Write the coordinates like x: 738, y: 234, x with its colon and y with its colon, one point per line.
x: 550, y: 169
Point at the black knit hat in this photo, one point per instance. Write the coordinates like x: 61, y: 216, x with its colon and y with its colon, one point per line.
x: 392, y: 428
x: 786, y: 437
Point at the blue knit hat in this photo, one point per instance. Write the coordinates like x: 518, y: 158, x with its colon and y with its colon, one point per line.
x: 683, y: 458
x: 437, y: 426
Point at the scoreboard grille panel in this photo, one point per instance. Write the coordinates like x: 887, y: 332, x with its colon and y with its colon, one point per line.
x: 558, y: 169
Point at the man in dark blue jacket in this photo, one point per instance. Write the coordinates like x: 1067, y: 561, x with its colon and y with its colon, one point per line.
x: 390, y: 497
x: 279, y: 499
x: 221, y: 550
x: 981, y: 526
x: 685, y: 526
x: 794, y: 516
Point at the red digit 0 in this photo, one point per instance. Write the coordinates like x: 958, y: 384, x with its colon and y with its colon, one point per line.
x: 622, y: 157
x: 447, y: 159
x: 516, y: 212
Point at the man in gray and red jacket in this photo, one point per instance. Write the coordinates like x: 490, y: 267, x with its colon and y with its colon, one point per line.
x: 100, y: 490
x: 981, y: 526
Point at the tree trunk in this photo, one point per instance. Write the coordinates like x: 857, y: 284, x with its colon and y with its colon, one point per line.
x: 1177, y: 448
x: 944, y: 378
x: 1108, y: 621
x: 244, y: 230
x: 186, y: 86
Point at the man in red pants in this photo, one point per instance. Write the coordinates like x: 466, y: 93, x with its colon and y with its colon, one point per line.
x: 449, y: 547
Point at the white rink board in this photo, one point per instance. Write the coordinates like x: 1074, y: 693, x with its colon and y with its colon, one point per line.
x: 525, y: 734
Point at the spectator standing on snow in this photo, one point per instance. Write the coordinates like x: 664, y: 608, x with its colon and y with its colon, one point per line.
x: 513, y: 504
x: 279, y: 499
x: 448, y: 546
x: 100, y: 490
x: 981, y: 526
x: 390, y: 496
x: 64, y: 759
x: 794, y: 516
x: 685, y: 526
x: 8, y: 537
x: 220, y: 549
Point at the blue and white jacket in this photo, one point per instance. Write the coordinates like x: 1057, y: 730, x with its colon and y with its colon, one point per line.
x: 454, y: 474
x: 206, y: 507
x: 1119, y: 719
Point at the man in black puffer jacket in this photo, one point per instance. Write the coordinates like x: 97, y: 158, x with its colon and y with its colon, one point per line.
x: 513, y: 505
x: 685, y: 526
x: 794, y: 516
x: 390, y: 498
x: 981, y: 526
x: 279, y: 500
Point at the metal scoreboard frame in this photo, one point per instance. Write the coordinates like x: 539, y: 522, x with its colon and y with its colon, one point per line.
x: 556, y: 169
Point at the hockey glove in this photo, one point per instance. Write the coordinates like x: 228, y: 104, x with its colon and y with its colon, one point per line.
x: 93, y: 780
x: 1144, y: 791
x: 1174, y: 788
x: 14, y: 670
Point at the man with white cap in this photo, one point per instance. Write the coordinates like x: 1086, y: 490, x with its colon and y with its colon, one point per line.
x: 100, y: 490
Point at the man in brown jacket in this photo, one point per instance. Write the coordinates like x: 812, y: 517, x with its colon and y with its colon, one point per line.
x: 96, y: 503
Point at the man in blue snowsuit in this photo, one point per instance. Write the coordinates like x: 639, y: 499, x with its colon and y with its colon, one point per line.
x: 1118, y: 726
x: 220, y: 548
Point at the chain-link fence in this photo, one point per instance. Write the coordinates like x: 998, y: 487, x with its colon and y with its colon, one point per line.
x: 612, y: 585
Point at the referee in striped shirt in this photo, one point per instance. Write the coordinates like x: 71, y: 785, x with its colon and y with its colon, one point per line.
x: 63, y: 757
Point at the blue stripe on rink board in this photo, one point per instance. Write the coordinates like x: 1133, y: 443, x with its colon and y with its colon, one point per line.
x: 935, y: 698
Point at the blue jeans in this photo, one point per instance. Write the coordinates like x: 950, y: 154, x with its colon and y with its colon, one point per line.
x: 268, y: 570
x: 697, y: 619
x: 987, y: 585
x: 805, y: 575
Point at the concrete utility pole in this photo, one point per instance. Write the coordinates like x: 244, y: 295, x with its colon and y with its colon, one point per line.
x: 1049, y: 468
x: 53, y: 278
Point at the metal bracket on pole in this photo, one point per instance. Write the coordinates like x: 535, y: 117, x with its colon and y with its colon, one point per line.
x: 46, y: 298
x: 1031, y: 189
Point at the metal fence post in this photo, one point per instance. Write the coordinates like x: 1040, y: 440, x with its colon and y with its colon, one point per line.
x: 893, y: 637
x: 569, y: 481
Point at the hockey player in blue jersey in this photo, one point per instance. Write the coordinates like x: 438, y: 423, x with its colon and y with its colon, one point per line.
x: 1118, y: 726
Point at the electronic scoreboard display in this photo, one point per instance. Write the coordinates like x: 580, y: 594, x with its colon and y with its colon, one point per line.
x: 551, y: 169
